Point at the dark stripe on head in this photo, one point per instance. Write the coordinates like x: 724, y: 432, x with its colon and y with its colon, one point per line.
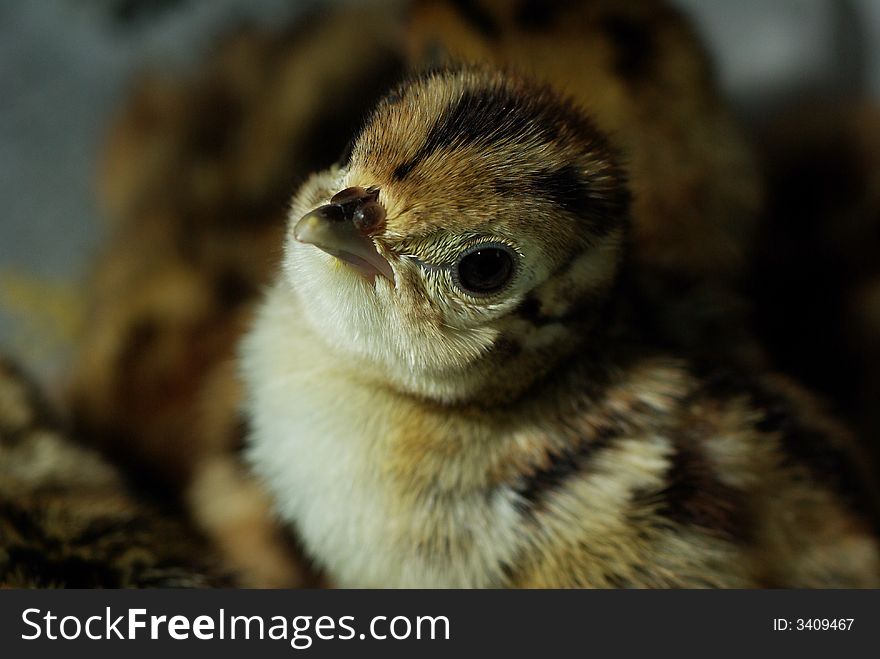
x: 564, y: 187
x: 482, y: 117
x: 567, y: 188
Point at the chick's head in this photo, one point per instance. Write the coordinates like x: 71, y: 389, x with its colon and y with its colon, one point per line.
x: 468, y: 239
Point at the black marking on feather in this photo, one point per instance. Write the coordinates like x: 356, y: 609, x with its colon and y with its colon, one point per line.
x: 403, y: 170
x: 530, y: 310
x: 827, y: 462
x: 567, y: 188
x: 561, y: 466
x: 694, y: 496
x: 583, y: 305
x: 507, y: 574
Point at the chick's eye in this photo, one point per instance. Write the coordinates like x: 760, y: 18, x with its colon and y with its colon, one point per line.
x: 484, y: 270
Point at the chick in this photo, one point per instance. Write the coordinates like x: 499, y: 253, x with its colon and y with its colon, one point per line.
x: 449, y: 384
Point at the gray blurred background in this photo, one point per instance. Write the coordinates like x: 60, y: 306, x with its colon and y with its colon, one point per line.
x: 65, y: 64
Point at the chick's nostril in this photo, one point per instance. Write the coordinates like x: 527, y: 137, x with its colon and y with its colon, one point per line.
x: 369, y: 218
x: 348, y: 195
x: 330, y: 212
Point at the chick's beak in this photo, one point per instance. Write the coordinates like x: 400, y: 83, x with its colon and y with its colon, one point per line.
x: 329, y: 230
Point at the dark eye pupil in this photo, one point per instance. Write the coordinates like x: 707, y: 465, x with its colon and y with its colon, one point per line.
x: 485, y: 270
